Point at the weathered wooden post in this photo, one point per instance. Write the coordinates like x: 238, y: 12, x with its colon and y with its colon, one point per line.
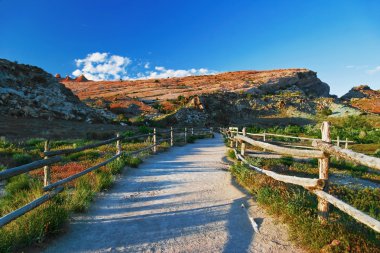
x: 118, y: 145
x: 236, y: 141
x: 154, y: 141
x: 264, y: 139
x: 171, y: 137
x: 346, y: 144
x: 242, y: 151
x: 323, y: 205
x: 185, y: 135
x: 47, y: 176
x: 338, y: 145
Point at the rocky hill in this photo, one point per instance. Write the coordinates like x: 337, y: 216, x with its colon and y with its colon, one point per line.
x: 28, y: 91
x: 232, y: 97
x: 364, y: 98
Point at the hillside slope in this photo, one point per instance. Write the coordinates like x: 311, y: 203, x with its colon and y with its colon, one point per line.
x: 29, y: 91
x: 231, y: 97
x: 364, y: 98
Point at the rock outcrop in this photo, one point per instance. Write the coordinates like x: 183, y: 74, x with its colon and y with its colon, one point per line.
x: 362, y: 91
x: 81, y: 78
x: 363, y: 98
x: 30, y: 91
x: 302, y: 79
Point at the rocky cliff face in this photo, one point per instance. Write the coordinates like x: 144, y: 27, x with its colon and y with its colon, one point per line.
x: 296, y: 80
x: 363, y: 98
x: 30, y: 91
x: 229, y: 97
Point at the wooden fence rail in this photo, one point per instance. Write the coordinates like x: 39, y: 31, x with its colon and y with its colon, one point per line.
x: 52, y: 157
x: 317, y: 186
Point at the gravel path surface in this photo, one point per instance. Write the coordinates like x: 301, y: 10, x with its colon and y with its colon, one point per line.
x: 183, y: 200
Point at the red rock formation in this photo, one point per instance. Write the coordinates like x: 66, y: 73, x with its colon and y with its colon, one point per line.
x: 58, y: 76
x: 81, y: 78
x: 67, y: 78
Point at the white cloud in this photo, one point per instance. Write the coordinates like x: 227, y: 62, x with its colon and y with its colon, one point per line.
x: 102, y: 66
x: 162, y: 72
x: 357, y: 67
x: 374, y: 70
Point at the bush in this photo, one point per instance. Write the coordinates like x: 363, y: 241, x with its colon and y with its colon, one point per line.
x: 17, y: 184
x: 191, y: 139
x: 82, y: 196
x: 21, y: 159
x: 116, y: 166
x: 133, y: 161
x: 377, y: 153
x: 145, y: 130
x: 84, y: 155
x: 326, y: 112
x: 231, y: 154
x: 104, y: 180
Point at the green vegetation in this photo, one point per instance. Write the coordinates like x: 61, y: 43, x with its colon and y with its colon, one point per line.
x: 231, y: 154
x: 50, y: 217
x: 298, y: 208
x: 356, y: 128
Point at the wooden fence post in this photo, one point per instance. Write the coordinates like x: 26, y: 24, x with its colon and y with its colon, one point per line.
x: 346, y: 144
x: 264, y: 139
x: 242, y: 151
x: 171, y: 137
x: 118, y: 146
x: 185, y: 134
x: 323, y: 205
x: 47, y: 176
x: 338, y: 145
x: 154, y: 141
x: 237, y: 142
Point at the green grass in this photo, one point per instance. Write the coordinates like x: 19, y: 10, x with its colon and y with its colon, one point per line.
x: 298, y: 208
x: 35, y: 225
x: 231, y: 154
x: 50, y: 217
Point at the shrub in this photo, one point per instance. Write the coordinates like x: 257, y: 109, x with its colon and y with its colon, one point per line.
x: 116, y: 166
x: 133, y: 161
x: 104, y: 180
x: 84, y: 155
x: 191, y: 139
x: 82, y: 196
x: 145, y: 130
x: 17, y: 184
x: 231, y: 154
x: 326, y: 112
x: 21, y: 159
x: 377, y: 153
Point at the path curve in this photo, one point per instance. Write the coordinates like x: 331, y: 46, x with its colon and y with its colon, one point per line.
x: 183, y: 200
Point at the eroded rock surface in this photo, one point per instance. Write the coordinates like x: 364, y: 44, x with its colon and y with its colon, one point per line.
x: 30, y: 91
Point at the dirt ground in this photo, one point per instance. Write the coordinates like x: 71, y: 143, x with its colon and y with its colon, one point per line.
x: 183, y: 200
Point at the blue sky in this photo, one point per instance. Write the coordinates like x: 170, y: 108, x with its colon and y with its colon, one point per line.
x: 338, y: 39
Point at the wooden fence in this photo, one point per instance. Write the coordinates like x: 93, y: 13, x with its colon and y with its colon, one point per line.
x: 55, y: 156
x: 322, y: 149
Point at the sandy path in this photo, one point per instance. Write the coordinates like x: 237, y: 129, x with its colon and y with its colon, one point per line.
x: 179, y: 201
